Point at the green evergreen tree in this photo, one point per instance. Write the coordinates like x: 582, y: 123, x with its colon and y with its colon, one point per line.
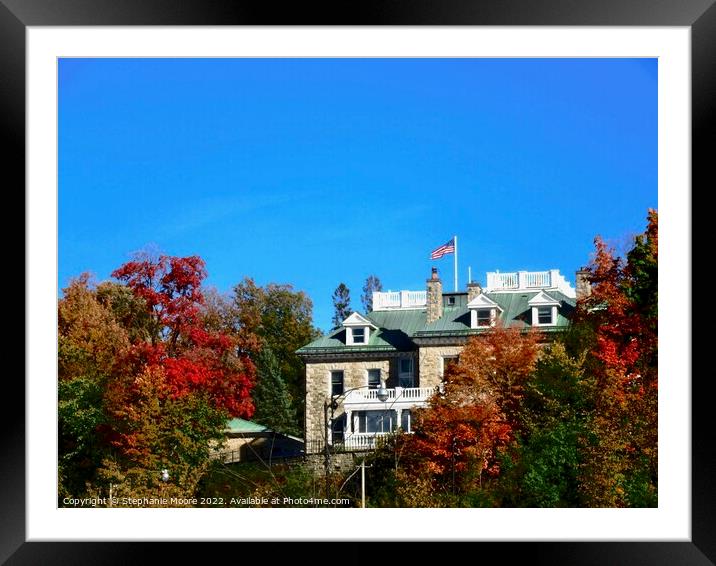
x: 555, y: 414
x: 372, y: 284
x: 341, y: 304
x: 277, y: 317
x: 274, y: 406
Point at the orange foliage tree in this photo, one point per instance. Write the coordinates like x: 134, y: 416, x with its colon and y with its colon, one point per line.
x: 461, y: 435
x: 145, y: 381
x: 620, y: 464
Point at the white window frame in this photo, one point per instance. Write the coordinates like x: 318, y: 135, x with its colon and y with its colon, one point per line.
x: 330, y: 381
x: 455, y: 357
x: 483, y: 303
x: 410, y: 420
x: 390, y: 416
x: 362, y: 332
x: 367, y: 377
x: 404, y: 375
x: 535, y: 315
x: 491, y: 319
x: 350, y: 337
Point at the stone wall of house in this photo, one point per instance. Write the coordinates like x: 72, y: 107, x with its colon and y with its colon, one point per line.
x: 434, y: 298
x: 583, y: 286
x: 431, y: 363
x: 473, y: 290
x: 318, y: 388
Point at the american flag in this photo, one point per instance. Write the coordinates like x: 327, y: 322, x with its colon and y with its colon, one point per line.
x: 447, y: 248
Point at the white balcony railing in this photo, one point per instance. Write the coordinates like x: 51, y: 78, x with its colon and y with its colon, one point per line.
x: 362, y: 440
x: 389, y: 300
x: 537, y: 279
x: 397, y: 395
x: 528, y: 280
x: 502, y: 281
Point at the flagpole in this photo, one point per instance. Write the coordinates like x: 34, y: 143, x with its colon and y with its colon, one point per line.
x: 455, y: 240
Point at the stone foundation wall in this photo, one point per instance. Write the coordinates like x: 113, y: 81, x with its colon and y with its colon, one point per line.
x: 342, y: 463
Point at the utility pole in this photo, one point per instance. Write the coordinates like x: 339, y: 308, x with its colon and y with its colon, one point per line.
x: 327, y: 455
x: 362, y: 482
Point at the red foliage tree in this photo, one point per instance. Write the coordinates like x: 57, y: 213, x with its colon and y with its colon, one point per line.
x: 194, y: 357
x: 621, y: 310
x: 465, y: 428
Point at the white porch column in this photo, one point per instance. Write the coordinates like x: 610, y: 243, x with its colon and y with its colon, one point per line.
x: 398, y: 413
x: 348, y: 426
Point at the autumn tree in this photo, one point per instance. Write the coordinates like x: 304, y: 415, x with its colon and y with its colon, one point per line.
x: 463, y: 433
x: 341, y: 304
x: 151, y: 429
x: 91, y: 345
x: 620, y: 466
x: 144, y: 382
x: 279, y: 319
x: 372, y: 284
x: 501, y: 360
x: 194, y: 357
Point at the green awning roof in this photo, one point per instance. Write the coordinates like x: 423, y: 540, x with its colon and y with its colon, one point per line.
x: 237, y: 426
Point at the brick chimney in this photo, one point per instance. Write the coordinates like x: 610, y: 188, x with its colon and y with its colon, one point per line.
x: 583, y: 286
x: 473, y: 290
x: 434, y: 302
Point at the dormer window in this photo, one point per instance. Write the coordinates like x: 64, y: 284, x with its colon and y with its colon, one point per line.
x: 359, y: 335
x: 544, y: 315
x: 484, y: 312
x: 485, y: 317
x: 544, y: 309
x: 358, y: 329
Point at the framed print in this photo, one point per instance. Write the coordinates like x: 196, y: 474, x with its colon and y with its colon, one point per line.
x: 43, y: 44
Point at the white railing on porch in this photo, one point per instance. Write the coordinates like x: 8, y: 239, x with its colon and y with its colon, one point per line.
x: 408, y: 394
x: 383, y: 301
x: 360, y: 440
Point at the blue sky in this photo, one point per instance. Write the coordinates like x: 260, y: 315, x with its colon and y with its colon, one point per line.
x: 319, y: 171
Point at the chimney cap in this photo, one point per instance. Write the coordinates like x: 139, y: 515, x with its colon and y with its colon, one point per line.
x: 434, y: 274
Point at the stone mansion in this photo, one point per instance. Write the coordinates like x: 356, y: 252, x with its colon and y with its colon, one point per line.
x: 401, y: 348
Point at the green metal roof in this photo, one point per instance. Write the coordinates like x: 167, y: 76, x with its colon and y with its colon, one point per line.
x: 237, y: 426
x: 398, y: 327
x: 395, y: 329
x: 515, y: 312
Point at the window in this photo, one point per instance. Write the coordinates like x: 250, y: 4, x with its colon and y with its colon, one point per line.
x: 544, y: 315
x: 338, y: 428
x: 359, y: 335
x: 483, y: 312
x: 374, y: 378
x: 376, y: 421
x: 449, y: 361
x: 336, y: 382
x: 405, y: 420
x: 451, y: 301
x: 484, y: 317
x: 405, y: 375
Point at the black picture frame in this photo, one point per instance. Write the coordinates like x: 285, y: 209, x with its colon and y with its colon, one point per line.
x: 699, y: 15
